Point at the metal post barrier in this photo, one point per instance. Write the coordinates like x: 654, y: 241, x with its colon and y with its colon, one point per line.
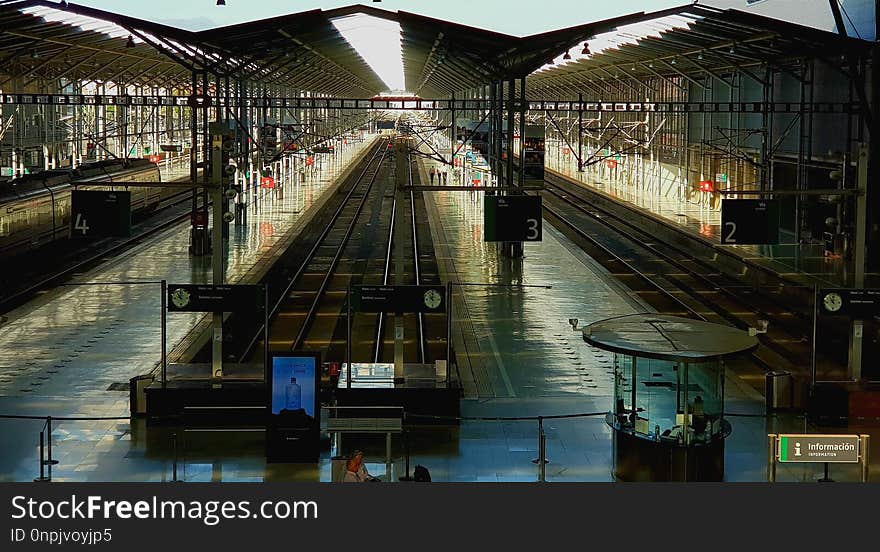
x: 406, y: 477
x: 42, y: 461
x: 49, y: 461
x: 866, y: 456
x: 826, y: 478
x: 449, y: 303
x: 542, y: 453
x: 542, y: 459
x: 813, y: 341
x: 163, y: 337
x: 174, y: 462
x: 771, y: 458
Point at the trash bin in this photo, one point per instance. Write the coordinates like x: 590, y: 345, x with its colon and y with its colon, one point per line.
x: 138, y: 396
x: 778, y: 390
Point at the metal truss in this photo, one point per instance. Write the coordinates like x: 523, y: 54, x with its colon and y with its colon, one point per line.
x: 480, y: 105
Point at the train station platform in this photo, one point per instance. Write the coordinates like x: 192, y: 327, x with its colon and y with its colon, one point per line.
x: 800, y: 263
x: 71, y: 352
x: 518, y: 359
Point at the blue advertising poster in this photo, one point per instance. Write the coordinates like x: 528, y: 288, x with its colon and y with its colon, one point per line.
x: 294, y: 387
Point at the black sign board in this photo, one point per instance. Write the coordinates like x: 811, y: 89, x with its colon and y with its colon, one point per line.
x: 512, y: 218
x: 398, y: 299
x: 750, y: 222
x: 209, y: 298
x: 100, y: 213
x: 854, y: 303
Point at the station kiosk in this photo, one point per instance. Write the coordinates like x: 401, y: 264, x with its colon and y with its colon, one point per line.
x: 668, y: 411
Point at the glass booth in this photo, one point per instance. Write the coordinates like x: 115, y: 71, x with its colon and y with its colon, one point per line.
x: 668, y: 409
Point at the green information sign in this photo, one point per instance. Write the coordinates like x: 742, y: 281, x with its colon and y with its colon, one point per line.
x: 819, y: 448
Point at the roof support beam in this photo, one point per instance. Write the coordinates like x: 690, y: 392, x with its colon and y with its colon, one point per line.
x: 681, y: 74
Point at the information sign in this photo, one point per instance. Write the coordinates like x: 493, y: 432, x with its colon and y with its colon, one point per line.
x: 750, y: 221
x: 819, y: 448
x: 855, y: 303
x: 211, y: 298
x: 398, y: 299
x: 100, y: 213
x: 512, y: 218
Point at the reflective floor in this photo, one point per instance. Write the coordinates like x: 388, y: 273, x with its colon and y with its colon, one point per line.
x: 72, y: 351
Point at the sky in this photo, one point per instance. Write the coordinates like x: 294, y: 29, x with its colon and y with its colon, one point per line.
x: 516, y: 17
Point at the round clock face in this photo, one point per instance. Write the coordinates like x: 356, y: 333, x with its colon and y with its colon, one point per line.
x: 432, y: 299
x: 833, y: 302
x: 180, y: 298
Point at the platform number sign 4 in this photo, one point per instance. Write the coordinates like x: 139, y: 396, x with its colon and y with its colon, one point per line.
x: 750, y: 222
x: 81, y: 225
x: 100, y: 213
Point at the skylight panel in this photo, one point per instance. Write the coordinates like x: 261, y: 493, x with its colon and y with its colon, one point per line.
x: 378, y: 42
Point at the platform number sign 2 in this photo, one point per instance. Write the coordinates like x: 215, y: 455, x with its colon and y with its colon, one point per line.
x: 750, y: 222
x: 100, y: 213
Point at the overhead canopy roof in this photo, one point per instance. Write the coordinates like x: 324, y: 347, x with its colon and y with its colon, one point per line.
x: 305, y: 51
x: 439, y: 57
x: 39, y: 40
x: 692, y: 41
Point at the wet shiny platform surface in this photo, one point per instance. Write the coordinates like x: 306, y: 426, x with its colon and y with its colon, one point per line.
x: 72, y: 351
x: 802, y: 262
x: 519, y: 356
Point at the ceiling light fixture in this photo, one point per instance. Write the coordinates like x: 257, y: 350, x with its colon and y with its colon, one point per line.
x: 586, y: 50
x: 221, y: 2
x: 566, y: 56
x: 130, y: 43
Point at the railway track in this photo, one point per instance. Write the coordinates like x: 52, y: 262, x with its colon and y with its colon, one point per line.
x: 57, y: 262
x: 674, y: 281
x: 353, y: 245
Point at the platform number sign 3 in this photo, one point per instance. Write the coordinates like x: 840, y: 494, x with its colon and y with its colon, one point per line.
x: 533, y: 232
x: 512, y: 219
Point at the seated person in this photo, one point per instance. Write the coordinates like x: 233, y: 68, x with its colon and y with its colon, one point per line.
x: 356, y: 471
